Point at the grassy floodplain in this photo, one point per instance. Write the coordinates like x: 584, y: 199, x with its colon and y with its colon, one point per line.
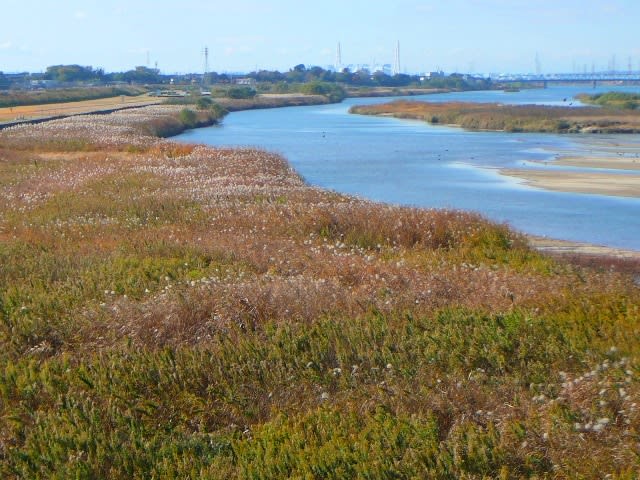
x: 180, y: 311
x: 511, y: 118
x: 629, y: 101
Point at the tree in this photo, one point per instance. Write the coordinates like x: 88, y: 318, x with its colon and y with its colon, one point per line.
x: 267, y: 76
x: 72, y: 73
x: 332, y: 91
x: 241, y: 92
x: 188, y: 117
x: 297, y: 73
x: 4, y: 82
x: 203, y: 103
x: 142, y: 75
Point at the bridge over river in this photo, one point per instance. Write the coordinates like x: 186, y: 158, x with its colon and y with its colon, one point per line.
x: 593, y: 78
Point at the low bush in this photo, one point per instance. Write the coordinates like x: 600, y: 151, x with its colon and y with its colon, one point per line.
x: 240, y: 92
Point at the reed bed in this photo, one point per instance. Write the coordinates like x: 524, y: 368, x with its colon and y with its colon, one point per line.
x: 180, y: 311
x: 511, y: 118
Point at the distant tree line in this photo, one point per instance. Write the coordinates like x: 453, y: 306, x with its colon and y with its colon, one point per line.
x: 275, y: 80
x: 4, y: 82
x: 363, y: 77
x: 78, y: 73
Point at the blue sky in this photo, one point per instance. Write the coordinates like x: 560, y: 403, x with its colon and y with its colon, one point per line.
x: 478, y: 36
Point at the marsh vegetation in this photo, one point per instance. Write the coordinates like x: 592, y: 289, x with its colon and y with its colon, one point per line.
x: 511, y: 118
x: 178, y: 311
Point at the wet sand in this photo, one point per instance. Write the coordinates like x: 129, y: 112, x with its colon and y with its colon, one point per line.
x: 620, y: 185
x: 550, y: 245
x: 613, y: 163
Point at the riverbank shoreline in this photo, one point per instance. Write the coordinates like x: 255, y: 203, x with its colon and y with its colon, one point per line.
x: 598, y: 162
x: 43, y: 113
x: 606, y: 184
x: 558, y: 247
x: 376, y: 92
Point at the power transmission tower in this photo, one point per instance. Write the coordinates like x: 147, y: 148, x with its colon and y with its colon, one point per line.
x: 338, y: 58
x: 206, y: 66
x: 396, y: 66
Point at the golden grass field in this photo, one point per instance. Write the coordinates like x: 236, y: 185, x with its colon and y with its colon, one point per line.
x: 73, y: 108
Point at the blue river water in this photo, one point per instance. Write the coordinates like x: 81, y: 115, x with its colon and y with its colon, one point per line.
x: 412, y: 163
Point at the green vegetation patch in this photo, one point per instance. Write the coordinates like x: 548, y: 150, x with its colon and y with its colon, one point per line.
x: 621, y: 100
x: 369, y: 398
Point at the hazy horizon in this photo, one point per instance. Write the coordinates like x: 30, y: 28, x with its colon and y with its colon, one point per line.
x: 471, y: 36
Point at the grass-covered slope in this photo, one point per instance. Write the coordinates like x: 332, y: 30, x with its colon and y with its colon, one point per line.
x: 176, y: 311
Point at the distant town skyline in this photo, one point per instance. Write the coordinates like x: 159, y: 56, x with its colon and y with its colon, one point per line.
x: 470, y: 36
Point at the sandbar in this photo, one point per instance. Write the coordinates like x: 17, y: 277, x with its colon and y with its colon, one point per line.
x: 613, y: 163
x: 564, y: 247
x: 621, y: 185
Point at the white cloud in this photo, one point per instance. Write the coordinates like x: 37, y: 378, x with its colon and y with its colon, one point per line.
x: 6, y: 45
x: 79, y: 14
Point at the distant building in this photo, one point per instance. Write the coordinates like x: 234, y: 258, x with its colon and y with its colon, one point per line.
x: 439, y: 74
x: 245, y: 81
x: 44, y: 83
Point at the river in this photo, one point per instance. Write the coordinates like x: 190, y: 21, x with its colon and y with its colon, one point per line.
x: 412, y: 163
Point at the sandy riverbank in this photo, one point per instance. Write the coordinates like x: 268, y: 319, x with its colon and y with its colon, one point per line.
x: 621, y: 185
x: 566, y: 247
x: 601, y: 162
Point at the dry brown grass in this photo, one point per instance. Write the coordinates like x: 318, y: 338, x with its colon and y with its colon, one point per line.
x: 515, y: 118
x: 199, y: 301
x: 73, y: 108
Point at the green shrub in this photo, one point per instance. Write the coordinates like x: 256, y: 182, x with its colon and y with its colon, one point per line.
x: 241, y: 92
x: 188, y: 117
x: 204, y: 102
x: 331, y: 90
